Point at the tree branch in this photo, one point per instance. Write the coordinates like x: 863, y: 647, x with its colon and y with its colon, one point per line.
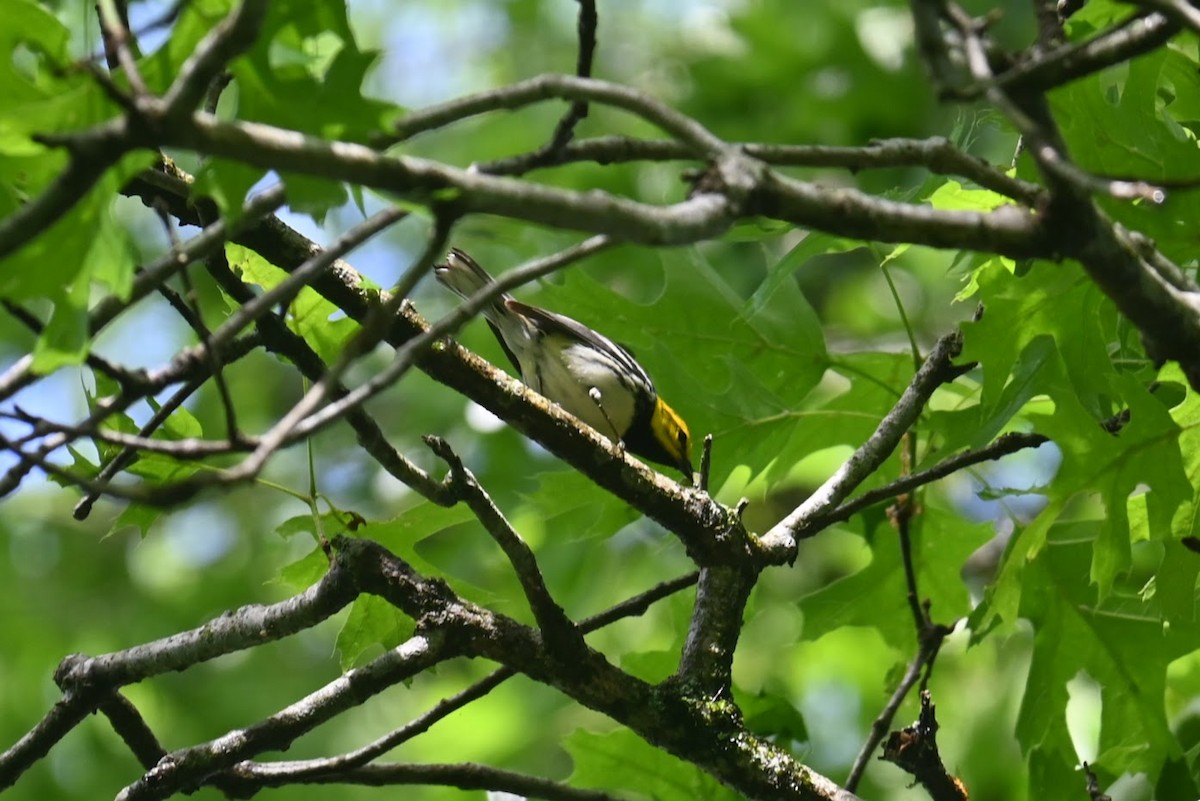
x: 1002, y: 446
x: 634, y: 606
x: 562, y: 87
x: 936, y: 154
x: 560, y: 632
x: 190, y: 766
x: 464, y: 776
x: 779, y: 543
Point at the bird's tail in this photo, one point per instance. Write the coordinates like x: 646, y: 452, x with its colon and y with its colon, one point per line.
x: 462, y: 275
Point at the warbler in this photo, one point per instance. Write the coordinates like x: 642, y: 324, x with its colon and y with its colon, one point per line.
x: 581, y: 370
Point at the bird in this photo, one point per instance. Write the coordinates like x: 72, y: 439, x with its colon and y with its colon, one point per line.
x: 578, y: 368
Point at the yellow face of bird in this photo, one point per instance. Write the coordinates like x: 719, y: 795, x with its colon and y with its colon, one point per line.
x: 672, y: 433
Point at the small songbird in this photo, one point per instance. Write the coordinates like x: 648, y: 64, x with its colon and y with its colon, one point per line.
x: 583, y: 371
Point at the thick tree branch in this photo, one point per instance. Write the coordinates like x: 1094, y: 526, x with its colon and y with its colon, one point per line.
x: 131, y: 727
x: 692, y: 727
x: 62, y: 718
x: 706, y: 665
x: 936, y: 154
x: 247, y: 627
x: 631, y: 607
x: 190, y: 766
x: 86, y: 682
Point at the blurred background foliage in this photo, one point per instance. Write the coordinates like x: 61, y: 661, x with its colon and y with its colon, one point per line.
x: 788, y: 350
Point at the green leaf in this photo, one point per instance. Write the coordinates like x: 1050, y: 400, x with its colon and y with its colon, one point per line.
x: 953, y: 196
x: 373, y: 623
x: 329, y: 525
x: 401, y: 534
x: 195, y: 19
x: 622, y: 761
x: 227, y: 183
x: 570, y: 505
x: 1183, y: 517
x: 1123, y: 124
x: 136, y: 516
x: 33, y: 26
x: 314, y: 196
x: 873, y: 597
x: 773, y: 715
x: 307, y: 58
x: 80, y: 465
x: 1118, y: 643
x: 65, y: 338
x: 1144, y: 453
x: 309, y: 314
x: 814, y: 243
x: 180, y: 424
x: 1054, y: 302
x: 304, y: 572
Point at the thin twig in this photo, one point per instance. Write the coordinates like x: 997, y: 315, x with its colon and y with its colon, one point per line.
x: 561, y: 87
x: 21, y: 374
x: 195, y: 319
x: 1136, y: 36
x: 901, y: 514
x: 936, y: 154
x: 883, y: 721
x: 187, y: 449
x: 114, y: 24
x: 558, y: 629
x: 780, y: 540
x: 564, y: 131
x: 280, y: 339
x: 705, y: 462
x: 464, y: 776
x: 126, y: 455
x: 280, y: 433
x: 1002, y: 446
x: 123, y: 376
x: 151, y: 383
